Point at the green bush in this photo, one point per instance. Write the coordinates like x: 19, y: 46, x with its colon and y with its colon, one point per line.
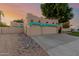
x: 19, y: 21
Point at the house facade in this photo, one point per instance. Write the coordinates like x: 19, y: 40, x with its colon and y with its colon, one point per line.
x: 34, y: 25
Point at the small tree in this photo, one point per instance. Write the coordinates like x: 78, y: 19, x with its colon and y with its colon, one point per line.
x: 60, y: 11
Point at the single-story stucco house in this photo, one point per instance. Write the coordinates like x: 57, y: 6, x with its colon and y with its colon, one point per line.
x: 34, y: 25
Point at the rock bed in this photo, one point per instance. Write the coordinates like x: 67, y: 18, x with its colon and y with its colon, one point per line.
x: 28, y: 47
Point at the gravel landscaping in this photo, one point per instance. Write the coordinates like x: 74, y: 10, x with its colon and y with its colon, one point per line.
x: 28, y: 47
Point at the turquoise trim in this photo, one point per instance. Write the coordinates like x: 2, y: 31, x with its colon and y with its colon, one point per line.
x: 43, y: 24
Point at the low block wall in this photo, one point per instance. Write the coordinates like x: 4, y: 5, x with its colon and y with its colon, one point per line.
x: 11, y: 30
x: 49, y: 30
x: 34, y: 30
x: 37, y: 30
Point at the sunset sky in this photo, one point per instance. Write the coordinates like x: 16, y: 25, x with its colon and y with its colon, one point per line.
x: 19, y: 11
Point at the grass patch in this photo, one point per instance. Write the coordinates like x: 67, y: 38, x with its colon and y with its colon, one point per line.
x: 74, y: 33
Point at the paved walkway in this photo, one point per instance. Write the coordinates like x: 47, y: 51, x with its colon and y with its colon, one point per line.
x: 59, y: 44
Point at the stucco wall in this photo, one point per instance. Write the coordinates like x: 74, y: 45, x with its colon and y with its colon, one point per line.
x: 37, y: 30
x: 49, y: 30
x: 34, y: 30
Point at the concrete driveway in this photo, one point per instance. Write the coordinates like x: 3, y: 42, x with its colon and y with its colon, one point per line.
x: 59, y: 44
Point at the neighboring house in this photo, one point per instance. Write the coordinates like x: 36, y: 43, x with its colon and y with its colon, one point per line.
x: 17, y: 24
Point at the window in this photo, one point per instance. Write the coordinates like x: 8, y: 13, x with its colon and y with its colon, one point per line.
x: 31, y: 20
x: 39, y: 21
x: 46, y: 22
x: 53, y: 23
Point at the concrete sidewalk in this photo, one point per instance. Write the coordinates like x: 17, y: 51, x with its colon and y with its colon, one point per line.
x: 59, y: 44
